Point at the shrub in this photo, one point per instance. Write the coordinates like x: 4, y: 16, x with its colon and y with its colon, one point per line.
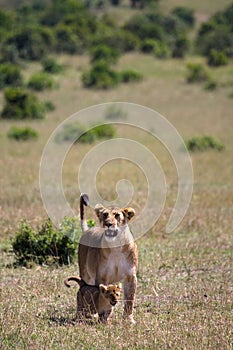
x: 180, y: 47
x: 196, y: 73
x: 41, y: 81
x: 202, y: 143
x: 20, y: 104
x: 47, y: 245
x: 72, y: 132
x: 101, y: 76
x: 114, y: 113
x: 105, y: 53
x: 10, y: 75
x: 22, y: 134
x: 49, y: 106
x: 119, y: 39
x: 50, y: 65
x: 185, y: 15
x: 130, y: 75
x: 161, y: 50
x: 217, y: 58
x: 148, y: 45
x: 211, y: 84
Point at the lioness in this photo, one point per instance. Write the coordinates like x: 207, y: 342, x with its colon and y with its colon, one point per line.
x: 95, y: 299
x: 108, y: 254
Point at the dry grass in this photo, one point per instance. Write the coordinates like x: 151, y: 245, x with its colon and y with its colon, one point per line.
x: 184, y: 297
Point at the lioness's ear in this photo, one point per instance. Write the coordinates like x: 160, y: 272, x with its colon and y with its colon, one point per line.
x: 102, y: 288
x: 98, y: 209
x: 129, y: 213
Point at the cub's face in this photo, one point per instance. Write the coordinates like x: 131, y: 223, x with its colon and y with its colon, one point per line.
x: 111, y: 293
x: 112, y: 219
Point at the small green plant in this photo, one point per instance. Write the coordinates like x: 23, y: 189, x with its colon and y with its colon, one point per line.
x: 217, y: 58
x: 161, y: 50
x: 21, y: 104
x: 130, y: 75
x: 100, y: 76
x: 104, y: 53
x: 77, y: 133
x: 10, y: 75
x: 211, y: 84
x: 148, y: 45
x: 196, y: 73
x: 41, y: 81
x: 203, y: 143
x: 114, y: 113
x: 49, y: 106
x: 47, y: 245
x: 22, y: 134
x: 50, y: 65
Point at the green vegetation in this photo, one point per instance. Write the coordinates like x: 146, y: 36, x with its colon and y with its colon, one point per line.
x: 196, y: 73
x: 20, y: 104
x: 22, y: 134
x: 47, y: 245
x: 217, y: 58
x: 50, y: 65
x: 130, y: 75
x: 77, y: 133
x: 185, y: 277
x: 41, y: 81
x: 203, y: 143
x: 10, y: 75
x: 216, y: 33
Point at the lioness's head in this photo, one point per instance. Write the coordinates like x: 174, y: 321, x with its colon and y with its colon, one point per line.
x: 111, y: 293
x: 112, y: 219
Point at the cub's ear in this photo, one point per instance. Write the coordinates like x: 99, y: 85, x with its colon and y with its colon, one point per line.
x: 102, y: 288
x: 129, y: 213
x: 99, y: 209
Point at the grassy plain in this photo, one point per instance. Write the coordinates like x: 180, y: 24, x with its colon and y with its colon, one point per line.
x: 184, y: 296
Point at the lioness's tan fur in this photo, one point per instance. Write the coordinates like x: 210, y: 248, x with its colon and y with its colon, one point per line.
x: 108, y: 253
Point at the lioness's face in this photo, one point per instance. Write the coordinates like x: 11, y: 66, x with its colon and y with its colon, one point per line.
x: 113, y: 219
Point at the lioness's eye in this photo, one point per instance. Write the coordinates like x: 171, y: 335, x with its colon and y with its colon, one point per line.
x: 105, y: 215
x: 117, y: 215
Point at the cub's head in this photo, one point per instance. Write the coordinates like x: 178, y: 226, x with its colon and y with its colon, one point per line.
x: 111, y: 293
x: 113, y: 218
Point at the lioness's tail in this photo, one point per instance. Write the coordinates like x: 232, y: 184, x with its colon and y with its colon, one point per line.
x: 72, y: 278
x: 84, y: 200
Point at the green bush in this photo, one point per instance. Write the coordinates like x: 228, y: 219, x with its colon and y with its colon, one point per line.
x: 41, y: 81
x: 211, y: 84
x: 47, y: 245
x: 180, y: 46
x: 100, y: 76
x: 217, y: 58
x: 161, y: 50
x: 20, y: 104
x: 119, y: 39
x: 50, y: 65
x: 130, y: 75
x: 10, y: 75
x: 216, y: 33
x: 104, y: 53
x: 185, y: 14
x: 196, y: 73
x: 114, y: 113
x: 22, y: 134
x: 203, y: 143
x: 77, y: 133
x: 148, y: 45
x: 49, y: 106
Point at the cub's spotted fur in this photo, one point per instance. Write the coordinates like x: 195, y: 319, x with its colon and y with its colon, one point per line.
x: 95, y: 299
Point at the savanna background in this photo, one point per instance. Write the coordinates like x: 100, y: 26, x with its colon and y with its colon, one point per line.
x: 173, y: 56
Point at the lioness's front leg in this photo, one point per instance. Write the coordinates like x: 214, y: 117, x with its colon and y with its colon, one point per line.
x: 130, y: 285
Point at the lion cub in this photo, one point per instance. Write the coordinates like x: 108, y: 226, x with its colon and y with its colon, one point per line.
x: 95, y: 299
